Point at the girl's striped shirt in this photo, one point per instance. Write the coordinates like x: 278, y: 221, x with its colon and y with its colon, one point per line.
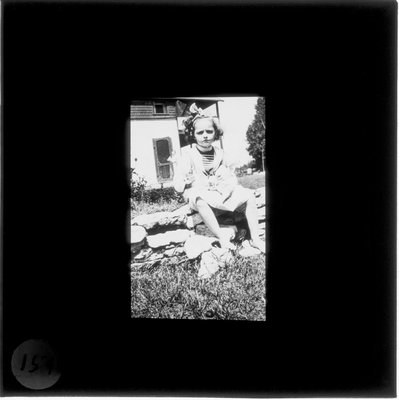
x: 207, y: 158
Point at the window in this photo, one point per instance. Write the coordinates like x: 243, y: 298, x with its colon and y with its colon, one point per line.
x: 159, y: 108
x: 162, y: 151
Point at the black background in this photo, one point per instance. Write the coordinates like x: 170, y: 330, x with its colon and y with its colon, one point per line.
x: 328, y: 74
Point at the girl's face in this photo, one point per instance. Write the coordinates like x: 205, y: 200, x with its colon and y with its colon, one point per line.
x: 204, y: 133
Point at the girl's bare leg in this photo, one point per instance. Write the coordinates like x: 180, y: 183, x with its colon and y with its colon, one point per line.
x: 211, y: 222
x: 251, y: 213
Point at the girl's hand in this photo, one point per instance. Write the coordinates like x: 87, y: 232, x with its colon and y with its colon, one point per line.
x: 212, y: 183
x: 189, y: 179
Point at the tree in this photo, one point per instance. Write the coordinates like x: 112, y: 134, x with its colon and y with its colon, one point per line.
x: 256, y: 134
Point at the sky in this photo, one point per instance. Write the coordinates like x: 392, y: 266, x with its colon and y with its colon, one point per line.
x: 236, y: 114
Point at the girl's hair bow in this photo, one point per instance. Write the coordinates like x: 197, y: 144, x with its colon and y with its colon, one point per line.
x: 195, y: 113
x: 194, y: 110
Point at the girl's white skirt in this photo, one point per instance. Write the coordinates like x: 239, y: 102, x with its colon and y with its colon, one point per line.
x: 213, y: 198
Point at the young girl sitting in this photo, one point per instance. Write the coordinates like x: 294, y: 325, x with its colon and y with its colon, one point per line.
x: 204, y: 177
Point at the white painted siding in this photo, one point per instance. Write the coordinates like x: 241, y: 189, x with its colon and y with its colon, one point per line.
x: 142, y: 134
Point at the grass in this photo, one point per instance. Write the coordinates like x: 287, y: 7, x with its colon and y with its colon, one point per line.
x: 253, y: 181
x: 169, y: 288
x: 172, y: 290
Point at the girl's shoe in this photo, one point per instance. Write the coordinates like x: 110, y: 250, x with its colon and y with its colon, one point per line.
x: 247, y: 250
x: 259, y: 244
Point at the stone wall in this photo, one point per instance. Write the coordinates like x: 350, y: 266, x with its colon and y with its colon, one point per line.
x: 183, y: 234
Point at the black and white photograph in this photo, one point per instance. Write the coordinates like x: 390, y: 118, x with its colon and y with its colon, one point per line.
x: 166, y: 164
x: 198, y: 208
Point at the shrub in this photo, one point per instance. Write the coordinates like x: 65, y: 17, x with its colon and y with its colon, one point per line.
x: 162, y: 195
x: 241, y: 171
x: 137, y: 185
x: 139, y: 193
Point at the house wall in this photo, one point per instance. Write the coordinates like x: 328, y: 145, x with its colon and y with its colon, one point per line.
x: 142, y: 132
x: 145, y: 110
